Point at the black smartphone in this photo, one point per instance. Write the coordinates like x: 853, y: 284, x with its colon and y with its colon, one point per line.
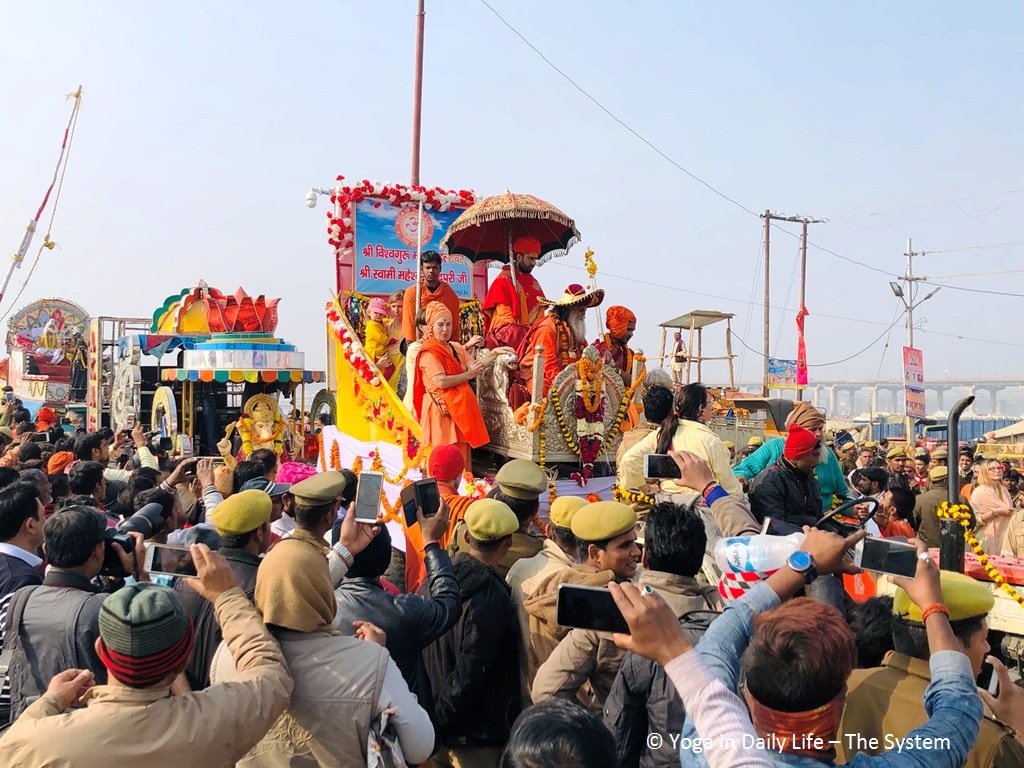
x: 40, y: 437
x: 368, y: 496
x: 987, y: 679
x: 886, y: 556
x: 661, y: 466
x: 421, y: 495
x: 589, y: 608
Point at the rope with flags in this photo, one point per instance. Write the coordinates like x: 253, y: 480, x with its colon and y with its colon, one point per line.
x: 58, y: 182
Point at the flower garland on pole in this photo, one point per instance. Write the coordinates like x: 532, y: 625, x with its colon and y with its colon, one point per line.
x: 340, y: 229
x: 961, y: 514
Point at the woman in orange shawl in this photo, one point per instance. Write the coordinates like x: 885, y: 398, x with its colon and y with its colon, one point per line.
x: 448, y: 408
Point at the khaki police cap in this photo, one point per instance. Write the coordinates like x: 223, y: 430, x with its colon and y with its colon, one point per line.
x: 521, y: 479
x: 938, y: 473
x: 490, y: 520
x: 940, y: 454
x: 321, y: 488
x: 755, y: 440
x: 241, y: 512
x: 564, y: 508
x: 603, y: 520
x: 729, y: 444
x: 966, y: 598
x: 899, y: 452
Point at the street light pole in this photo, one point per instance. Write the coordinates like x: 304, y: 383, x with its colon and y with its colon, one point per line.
x: 907, y: 297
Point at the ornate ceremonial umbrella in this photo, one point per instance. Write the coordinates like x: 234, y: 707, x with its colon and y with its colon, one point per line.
x: 485, y: 230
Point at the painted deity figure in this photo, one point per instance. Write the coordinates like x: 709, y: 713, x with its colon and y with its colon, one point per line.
x: 261, y: 426
x: 49, y: 343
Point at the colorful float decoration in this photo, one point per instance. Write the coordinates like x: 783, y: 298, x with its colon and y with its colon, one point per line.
x: 47, y: 353
x: 222, y: 339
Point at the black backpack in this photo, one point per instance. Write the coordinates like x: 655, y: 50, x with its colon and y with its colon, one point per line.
x: 13, y: 652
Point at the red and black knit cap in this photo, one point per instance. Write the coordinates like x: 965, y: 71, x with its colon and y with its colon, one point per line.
x: 145, y: 634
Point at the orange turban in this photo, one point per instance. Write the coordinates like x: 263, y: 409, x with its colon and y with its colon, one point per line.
x: 59, y: 462
x: 434, y: 311
x: 618, y: 319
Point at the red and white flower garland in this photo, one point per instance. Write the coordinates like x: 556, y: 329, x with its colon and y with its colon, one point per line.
x: 352, y: 348
x: 339, y: 221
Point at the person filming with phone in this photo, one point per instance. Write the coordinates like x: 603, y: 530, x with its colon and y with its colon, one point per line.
x: 411, y: 621
x: 790, y: 659
x: 891, y: 699
x: 57, y: 623
x: 145, y: 639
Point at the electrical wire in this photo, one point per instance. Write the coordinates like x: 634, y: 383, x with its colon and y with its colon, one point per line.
x: 610, y: 114
x: 835, y: 362
x: 971, y: 290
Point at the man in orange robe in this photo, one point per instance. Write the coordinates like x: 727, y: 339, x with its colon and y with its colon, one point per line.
x: 614, y: 345
x: 562, y: 333
x: 519, y: 303
x: 433, y: 289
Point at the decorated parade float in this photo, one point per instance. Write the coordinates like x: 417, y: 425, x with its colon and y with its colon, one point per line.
x: 377, y: 232
x: 47, y: 357
x: 208, y: 367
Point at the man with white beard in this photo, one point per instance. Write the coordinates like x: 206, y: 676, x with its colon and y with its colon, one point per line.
x: 562, y: 332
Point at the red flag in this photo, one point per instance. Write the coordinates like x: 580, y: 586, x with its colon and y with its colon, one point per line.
x: 801, y: 348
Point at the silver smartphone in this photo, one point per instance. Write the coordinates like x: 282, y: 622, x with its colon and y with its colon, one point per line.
x: 168, y: 560
x: 368, y: 496
x: 886, y: 556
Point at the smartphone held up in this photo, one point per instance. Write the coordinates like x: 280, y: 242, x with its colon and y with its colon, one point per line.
x: 891, y: 556
x: 168, y: 560
x: 589, y: 608
x: 422, y: 496
x: 368, y: 496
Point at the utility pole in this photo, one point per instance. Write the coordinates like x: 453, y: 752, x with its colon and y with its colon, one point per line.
x: 906, y: 294
x: 417, y: 99
x: 769, y: 217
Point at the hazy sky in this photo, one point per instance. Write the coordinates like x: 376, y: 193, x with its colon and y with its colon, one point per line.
x: 204, y: 125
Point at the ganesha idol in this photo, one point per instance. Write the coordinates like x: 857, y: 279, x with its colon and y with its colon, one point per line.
x: 260, y: 426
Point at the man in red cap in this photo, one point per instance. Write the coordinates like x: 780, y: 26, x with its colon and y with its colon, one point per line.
x: 446, y: 465
x: 614, y: 346
x: 788, y: 490
x: 517, y: 302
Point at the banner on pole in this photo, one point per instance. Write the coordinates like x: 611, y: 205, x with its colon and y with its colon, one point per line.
x: 913, y: 369
x: 914, y: 404
x: 385, y: 238
x: 781, y: 374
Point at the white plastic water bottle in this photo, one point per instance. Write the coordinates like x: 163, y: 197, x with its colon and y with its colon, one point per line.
x: 760, y: 553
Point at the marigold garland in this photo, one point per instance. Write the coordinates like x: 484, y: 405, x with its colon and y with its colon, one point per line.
x: 961, y: 514
x: 591, y: 379
x: 542, y: 456
x: 335, y: 456
x: 632, y: 497
x: 323, y: 456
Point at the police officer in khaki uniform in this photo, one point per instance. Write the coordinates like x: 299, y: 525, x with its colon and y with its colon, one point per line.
x: 889, y: 701
x: 520, y: 484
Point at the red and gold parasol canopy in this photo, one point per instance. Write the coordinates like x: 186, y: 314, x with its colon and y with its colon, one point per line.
x: 484, y: 232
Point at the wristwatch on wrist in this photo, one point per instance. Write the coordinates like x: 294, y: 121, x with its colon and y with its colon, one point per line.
x: 802, y: 563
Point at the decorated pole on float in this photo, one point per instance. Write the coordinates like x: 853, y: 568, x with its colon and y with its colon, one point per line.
x: 30, y: 230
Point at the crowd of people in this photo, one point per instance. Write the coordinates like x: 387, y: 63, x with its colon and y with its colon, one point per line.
x: 301, y: 636
x: 298, y: 641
